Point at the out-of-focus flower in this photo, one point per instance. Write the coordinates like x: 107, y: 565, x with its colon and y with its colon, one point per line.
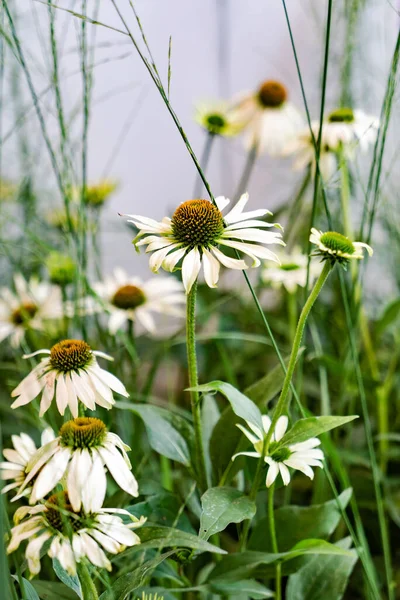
x: 58, y: 218
x: 73, y: 535
x: 32, y: 303
x: 96, y: 194
x: 81, y: 453
x: 300, y: 457
x: 61, y: 268
x: 336, y: 247
x: 129, y: 299
x: 291, y: 272
x: 272, y: 120
x: 343, y: 131
x: 196, y: 231
x: 7, y: 189
x: 18, y: 459
x: 219, y: 118
x: 70, y: 373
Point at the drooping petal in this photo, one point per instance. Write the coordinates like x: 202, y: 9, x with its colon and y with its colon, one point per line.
x: 211, y: 269
x: 284, y: 471
x: 272, y: 474
x: 227, y: 261
x: 119, y: 470
x: 190, y: 268
x: 50, y: 475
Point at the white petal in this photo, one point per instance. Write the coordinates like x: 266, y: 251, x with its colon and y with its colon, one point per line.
x: 190, y: 268
x: 272, y: 474
x: 94, y: 553
x: 227, y: 261
x: 50, y: 475
x: 72, y: 397
x: 113, y: 382
x: 94, y: 488
x: 211, y: 269
x: 280, y: 427
x: 266, y: 421
x: 61, y: 394
x: 119, y: 470
x: 32, y: 552
x: 83, y: 390
x: 221, y: 202
x: 251, y: 454
x: 253, y: 439
x: 284, y: 471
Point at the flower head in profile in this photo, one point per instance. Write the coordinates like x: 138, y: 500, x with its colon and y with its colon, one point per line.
x: 336, y: 247
x: 272, y: 120
x: 72, y: 535
x: 343, y: 131
x: 130, y: 299
x: 18, y: 458
x: 32, y: 304
x: 291, y: 272
x: 219, y: 118
x: 300, y: 457
x: 70, y: 373
x: 196, y: 231
x: 81, y: 453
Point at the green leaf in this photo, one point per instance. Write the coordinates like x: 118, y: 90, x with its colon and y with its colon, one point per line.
x: 53, y: 590
x: 242, y: 565
x: 304, y: 429
x: 163, y: 437
x: 158, y: 537
x: 126, y: 584
x: 249, y: 588
x: 323, y: 576
x: 71, y: 581
x: 30, y: 592
x: 390, y: 314
x: 209, y: 418
x: 221, y: 506
x: 242, y: 406
x: 163, y: 509
x: 296, y: 523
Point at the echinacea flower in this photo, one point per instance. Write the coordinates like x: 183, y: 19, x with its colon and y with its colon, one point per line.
x: 342, y: 132
x: 129, y: 299
x: 32, y: 303
x: 95, y: 194
x: 72, y: 535
x: 300, y: 457
x: 291, y: 272
x: 336, y: 247
x: 18, y: 459
x: 196, y: 230
x: 80, y: 454
x: 219, y: 118
x: 70, y: 373
x: 272, y: 120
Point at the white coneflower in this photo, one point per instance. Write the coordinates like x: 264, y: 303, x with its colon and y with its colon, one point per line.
x: 336, y: 247
x: 196, y: 230
x: 343, y: 131
x: 81, y: 452
x: 72, y: 535
x: 32, y: 303
x: 291, y: 272
x: 129, y: 299
x: 70, y: 373
x: 219, y: 118
x: 18, y: 458
x: 300, y: 457
x: 271, y: 119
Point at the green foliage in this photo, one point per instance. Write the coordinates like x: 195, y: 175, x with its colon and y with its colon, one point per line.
x: 222, y: 506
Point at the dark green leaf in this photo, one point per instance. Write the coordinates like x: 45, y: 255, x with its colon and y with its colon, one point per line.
x: 390, y: 314
x: 161, y: 537
x: 249, y: 588
x: 52, y: 590
x: 304, y: 429
x: 70, y: 581
x: 222, y: 506
x: 30, y: 592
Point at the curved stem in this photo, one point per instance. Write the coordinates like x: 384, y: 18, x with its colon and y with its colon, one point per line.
x: 89, y: 591
x: 193, y: 382
x: 283, y: 402
x: 274, y: 543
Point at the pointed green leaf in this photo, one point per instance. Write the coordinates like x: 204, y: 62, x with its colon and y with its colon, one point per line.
x: 221, y: 506
x: 242, y: 406
x: 304, y: 429
x: 157, y: 536
x: 72, y: 581
x: 249, y: 588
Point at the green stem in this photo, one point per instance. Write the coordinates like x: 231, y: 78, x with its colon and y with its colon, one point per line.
x: 205, y: 157
x: 89, y: 591
x: 283, y: 402
x: 193, y: 383
x: 274, y: 543
x: 292, y: 314
x: 345, y: 195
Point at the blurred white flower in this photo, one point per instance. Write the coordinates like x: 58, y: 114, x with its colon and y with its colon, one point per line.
x: 196, y: 230
x: 291, y: 272
x: 300, y: 457
x: 271, y: 119
x: 343, y: 131
x: 129, y: 299
x: 219, y: 118
x: 73, y: 535
x: 32, y: 303
x: 18, y: 458
x: 336, y: 247
x: 70, y: 373
x: 81, y: 453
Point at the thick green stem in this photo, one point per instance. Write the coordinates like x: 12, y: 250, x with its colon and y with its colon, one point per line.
x: 89, y: 591
x: 283, y: 402
x: 193, y: 383
x: 274, y: 543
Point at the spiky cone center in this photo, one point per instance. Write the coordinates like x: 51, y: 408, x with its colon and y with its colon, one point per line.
x: 83, y: 432
x: 70, y: 355
x: 60, y: 515
x: 290, y: 267
x: 337, y: 243
x: 215, y: 123
x: 128, y: 297
x: 24, y: 313
x: 341, y: 115
x: 272, y: 94
x: 197, y: 223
